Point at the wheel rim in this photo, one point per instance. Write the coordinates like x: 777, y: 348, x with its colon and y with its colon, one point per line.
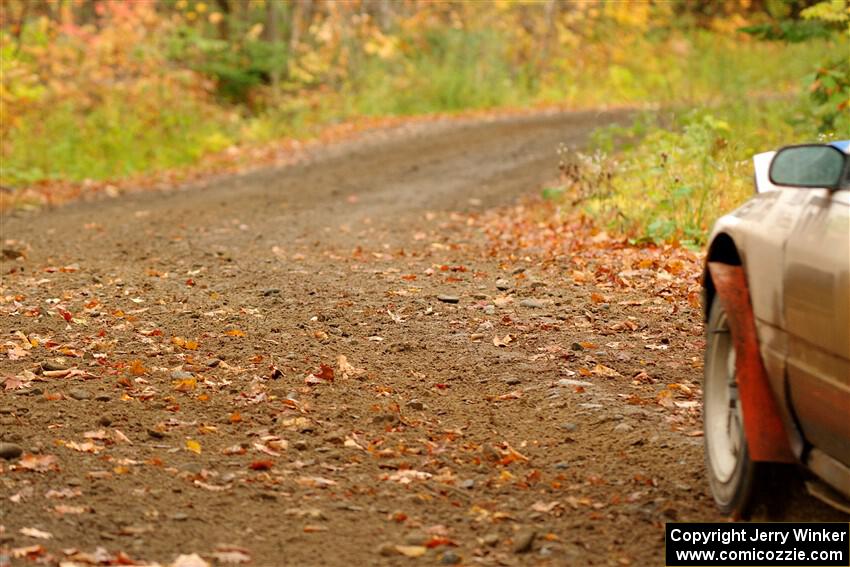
x: 723, y: 426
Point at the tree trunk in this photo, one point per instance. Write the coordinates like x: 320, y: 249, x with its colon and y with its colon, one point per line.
x: 272, y: 35
x: 302, y: 15
x: 224, y: 23
x: 551, y: 9
x: 17, y: 27
x: 86, y: 12
x: 385, y: 13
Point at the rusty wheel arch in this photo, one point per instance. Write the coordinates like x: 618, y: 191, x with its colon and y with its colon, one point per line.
x: 722, y: 250
x: 767, y: 436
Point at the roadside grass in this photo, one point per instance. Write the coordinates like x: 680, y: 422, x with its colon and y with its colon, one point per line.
x: 461, y: 70
x: 689, y: 68
x: 115, y: 139
x: 673, y: 176
x: 126, y: 132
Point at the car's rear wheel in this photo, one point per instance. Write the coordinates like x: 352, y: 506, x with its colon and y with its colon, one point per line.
x: 731, y: 473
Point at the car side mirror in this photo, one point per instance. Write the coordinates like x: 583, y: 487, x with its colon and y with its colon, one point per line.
x: 811, y: 165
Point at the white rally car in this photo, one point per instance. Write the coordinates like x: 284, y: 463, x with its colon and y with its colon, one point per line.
x: 777, y: 306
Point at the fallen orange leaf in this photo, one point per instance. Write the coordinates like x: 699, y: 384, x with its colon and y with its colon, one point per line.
x: 325, y: 373
x: 186, y: 385
x: 137, y: 368
x: 38, y: 463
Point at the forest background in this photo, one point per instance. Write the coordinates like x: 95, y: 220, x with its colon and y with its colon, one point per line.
x: 101, y: 94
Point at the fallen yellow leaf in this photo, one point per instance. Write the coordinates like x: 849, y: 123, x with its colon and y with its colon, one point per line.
x: 193, y: 446
x: 411, y: 550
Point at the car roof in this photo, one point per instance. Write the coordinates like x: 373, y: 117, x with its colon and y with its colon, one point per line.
x: 843, y: 145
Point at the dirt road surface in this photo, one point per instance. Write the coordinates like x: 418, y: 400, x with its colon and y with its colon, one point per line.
x: 174, y: 374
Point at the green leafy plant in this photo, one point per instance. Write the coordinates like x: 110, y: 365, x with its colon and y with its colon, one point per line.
x: 237, y: 68
x: 830, y: 84
x: 669, y: 177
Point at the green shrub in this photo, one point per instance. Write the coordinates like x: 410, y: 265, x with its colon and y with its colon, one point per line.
x: 237, y: 68
x: 670, y: 181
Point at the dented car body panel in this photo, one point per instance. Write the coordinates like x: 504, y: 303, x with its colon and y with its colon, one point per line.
x: 792, y: 245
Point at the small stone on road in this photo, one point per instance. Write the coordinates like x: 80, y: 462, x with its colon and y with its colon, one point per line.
x: 79, y: 394
x: 10, y: 451
x: 524, y: 540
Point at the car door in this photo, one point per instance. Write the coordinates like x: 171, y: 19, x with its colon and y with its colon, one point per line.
x: 764, y: 225
x: 816, y: 304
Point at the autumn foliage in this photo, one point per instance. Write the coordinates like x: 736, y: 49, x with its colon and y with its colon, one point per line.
x: 102, y: 89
